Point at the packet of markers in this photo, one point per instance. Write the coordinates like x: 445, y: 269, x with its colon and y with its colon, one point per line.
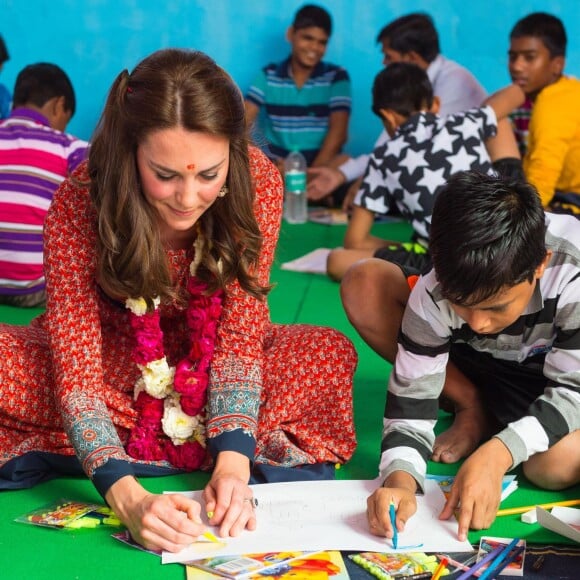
x: 70, y: 514
x: 393, y: 566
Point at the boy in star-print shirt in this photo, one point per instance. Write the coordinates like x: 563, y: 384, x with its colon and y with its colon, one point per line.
x: 407, y: 171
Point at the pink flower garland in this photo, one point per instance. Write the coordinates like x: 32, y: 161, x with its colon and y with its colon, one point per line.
x: 148, y: 441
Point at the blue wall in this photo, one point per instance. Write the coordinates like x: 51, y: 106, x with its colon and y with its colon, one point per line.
x: 93, y: 40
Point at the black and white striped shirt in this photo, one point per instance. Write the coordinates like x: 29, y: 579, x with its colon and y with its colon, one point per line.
x: 548, y: 327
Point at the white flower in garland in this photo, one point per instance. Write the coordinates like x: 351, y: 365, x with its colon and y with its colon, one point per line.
x: 157, y: 378
x: 138, y: 306
x: 177, y: 425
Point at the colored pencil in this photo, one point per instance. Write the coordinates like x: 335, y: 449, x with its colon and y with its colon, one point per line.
x: 497, y: 561
x: 547, y: 506
x: 459, y: 565
x: 469, y: 573
x: 440, y: 568
x: 511, y: 558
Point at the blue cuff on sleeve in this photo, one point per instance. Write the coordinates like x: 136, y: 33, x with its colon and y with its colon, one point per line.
x: 235, y: 440
x: 112, y: 471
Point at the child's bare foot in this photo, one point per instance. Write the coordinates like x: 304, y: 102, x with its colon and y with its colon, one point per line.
x: 469, y: 427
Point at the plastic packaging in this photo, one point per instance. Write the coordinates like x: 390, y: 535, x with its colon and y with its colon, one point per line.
x: 295, y: 202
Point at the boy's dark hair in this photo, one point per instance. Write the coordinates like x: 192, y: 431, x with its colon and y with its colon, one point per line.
x: 412, y: 33
x: 487, y: 234
x: 4, y: 56
x: 311, y: 15
x: 38, y: 83
x: 403, y: 87
x: 548, y: 28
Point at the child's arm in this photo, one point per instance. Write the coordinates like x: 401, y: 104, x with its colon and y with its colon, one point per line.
x: 504, y: 101
x: 504, y: 144
x: 335, y: 138
x: 358, y: 233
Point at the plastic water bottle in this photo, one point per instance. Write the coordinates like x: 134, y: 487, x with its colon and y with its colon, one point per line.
x: 295, y: 206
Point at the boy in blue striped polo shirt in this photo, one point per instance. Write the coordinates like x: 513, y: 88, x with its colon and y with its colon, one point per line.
x: 306, y: 101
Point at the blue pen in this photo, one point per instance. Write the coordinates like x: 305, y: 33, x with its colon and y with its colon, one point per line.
x: 393, y: 515
x: 497, y: 562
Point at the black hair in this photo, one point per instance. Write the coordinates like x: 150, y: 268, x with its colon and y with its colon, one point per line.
x: 412, y: 33
x: 311, y: 15
x: 548, y: 28
x: 487, y: 234
x: 403, y: 87
x: 38, y: 83
x: 4, y: 56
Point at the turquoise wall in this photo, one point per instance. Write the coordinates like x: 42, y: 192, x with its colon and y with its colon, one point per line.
x: 93, y: 40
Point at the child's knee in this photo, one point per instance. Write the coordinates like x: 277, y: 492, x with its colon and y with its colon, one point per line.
x: 552, y: 471
x: 335, y: 265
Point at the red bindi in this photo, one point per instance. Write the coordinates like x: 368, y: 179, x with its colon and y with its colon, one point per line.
x: 191, y: 166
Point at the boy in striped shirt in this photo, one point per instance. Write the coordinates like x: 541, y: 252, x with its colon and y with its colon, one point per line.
x: 495, y: 328
x: 36, y: 155
x: 306, y: 101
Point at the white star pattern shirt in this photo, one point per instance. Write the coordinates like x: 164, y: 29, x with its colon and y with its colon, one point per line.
x: 408, y: 170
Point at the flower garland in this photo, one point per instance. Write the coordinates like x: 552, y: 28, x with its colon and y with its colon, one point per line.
x: 171, y: 400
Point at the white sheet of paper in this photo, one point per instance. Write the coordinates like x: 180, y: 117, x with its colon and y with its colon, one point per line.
x: 330, y: 515
x: 563, y: 520
x: 313, y: 262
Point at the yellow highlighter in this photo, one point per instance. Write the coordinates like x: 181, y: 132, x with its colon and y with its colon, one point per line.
x: 211, y: 537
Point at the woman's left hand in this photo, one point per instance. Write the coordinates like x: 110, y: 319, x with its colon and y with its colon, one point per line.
x: 229, y: 501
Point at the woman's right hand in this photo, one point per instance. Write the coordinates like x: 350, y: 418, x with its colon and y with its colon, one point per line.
x: 156, y: 521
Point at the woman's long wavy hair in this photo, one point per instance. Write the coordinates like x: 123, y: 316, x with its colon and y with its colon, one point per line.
x: 170, y: 88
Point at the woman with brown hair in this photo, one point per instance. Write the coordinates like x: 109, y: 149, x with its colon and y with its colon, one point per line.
x: 156, y: 352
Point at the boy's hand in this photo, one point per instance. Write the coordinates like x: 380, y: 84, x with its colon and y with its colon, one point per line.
x: 477, y: 487
x: 322, y: 181
x: 402, y: 494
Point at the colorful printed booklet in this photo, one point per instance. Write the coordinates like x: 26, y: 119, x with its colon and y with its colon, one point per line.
x: 488, y: 544
x: 236, y: 567
x: 509, y: 483
x: 386, y: 566
x: 327, y: 565
x: 66, y: 513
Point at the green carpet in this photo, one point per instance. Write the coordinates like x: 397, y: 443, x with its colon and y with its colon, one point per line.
x: 34, y: 552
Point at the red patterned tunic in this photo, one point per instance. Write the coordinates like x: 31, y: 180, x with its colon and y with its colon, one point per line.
x: 282, y: 395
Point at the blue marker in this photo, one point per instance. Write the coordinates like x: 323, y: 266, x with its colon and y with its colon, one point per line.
x: 393, y: 515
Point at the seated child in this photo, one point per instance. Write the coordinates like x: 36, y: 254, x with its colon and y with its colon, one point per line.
x: 537, y: 57
x: 495, y: 328
x: 408, y: 170
x: 306, y: 101
x: 410, y: 38
x: 36, y: 156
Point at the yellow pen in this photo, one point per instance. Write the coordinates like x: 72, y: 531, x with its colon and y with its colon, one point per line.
x: 208, y: 535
